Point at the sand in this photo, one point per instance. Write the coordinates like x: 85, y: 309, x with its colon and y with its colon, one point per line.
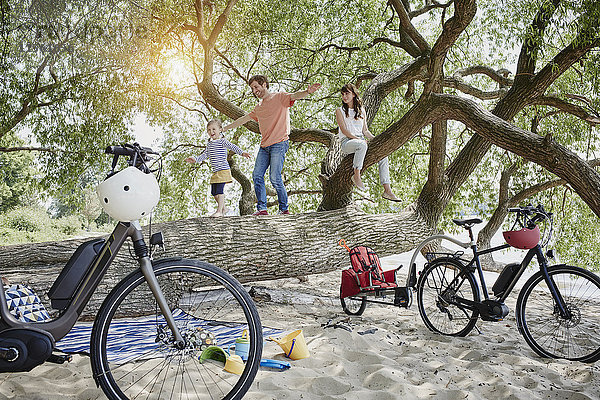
x: 387, y: 353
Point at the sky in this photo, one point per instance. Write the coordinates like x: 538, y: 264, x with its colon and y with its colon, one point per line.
x: 145, y: 135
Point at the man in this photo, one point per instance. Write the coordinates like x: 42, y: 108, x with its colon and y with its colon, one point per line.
x: 273, y: 116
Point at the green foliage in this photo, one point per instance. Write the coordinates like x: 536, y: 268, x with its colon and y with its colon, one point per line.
x: 318, y: 49
x: 121, y: 60
x: 33, y: 224
x: 575, y: 228
x: 25, y: 219
x: 67, y: 82
x: 291, y: 59
x: 16, y: 174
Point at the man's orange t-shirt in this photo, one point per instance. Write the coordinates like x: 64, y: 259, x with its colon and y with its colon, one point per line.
x: 273, y: 117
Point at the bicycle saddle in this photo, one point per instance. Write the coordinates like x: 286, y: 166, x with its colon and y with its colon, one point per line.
x: 467, y: 223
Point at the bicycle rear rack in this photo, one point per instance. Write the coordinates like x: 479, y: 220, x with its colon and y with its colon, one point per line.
x: 430, y: 256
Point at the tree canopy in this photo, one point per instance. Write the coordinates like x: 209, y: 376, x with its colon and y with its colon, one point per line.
x: 479, y: 105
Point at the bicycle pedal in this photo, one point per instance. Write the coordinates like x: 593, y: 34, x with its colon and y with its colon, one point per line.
x: 59, y: 358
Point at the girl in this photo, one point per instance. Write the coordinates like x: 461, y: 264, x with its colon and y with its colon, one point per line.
x: 216, y: 152
x: 352, y: 131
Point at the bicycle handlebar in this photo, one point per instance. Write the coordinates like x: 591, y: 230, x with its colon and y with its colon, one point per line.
x: 539, y: 214
x: 137, y: 154
x: 129, y: 150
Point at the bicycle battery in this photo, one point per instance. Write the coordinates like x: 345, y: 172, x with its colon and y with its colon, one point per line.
x: 505, y: 277
x: 71, y: 276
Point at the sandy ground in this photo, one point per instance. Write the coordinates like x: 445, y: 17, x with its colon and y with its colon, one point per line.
x: 387, y: 353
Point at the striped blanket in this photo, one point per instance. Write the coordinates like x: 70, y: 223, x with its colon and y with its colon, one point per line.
x: 136, y: 338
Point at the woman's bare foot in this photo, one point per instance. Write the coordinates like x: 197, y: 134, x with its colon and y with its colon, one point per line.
x: 217, y: 214
x: 358, y: 183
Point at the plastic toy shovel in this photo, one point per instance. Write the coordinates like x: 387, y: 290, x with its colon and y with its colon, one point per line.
x: 275, y: 364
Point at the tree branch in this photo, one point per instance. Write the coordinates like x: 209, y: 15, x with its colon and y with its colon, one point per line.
x: 338, y: 47
x: 199, y: 30
x: 230, y: 65
x: 180, y: 104
x: 500, y: 76
x: 386, y: 82
x: 42, y: 149
x: 432, y: 5
x: 364, y: 77
x: 311, y: 135
x: 437, y: 151
x: 530, y: 47
x: 220, y: 23
x: 573, y: 109
x: 30, y: 102
x: 584, y: 179
x: 458, y: 84
x: 464, y: 11
x: 562, y: 62
x: 408, y: 27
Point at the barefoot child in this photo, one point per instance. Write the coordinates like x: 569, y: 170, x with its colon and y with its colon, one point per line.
x: 216, y: 152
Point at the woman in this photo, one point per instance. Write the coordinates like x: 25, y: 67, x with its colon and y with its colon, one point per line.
x: 352, y: 131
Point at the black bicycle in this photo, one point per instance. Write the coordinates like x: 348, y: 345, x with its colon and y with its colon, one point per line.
x: 558, y: 308
x: 151, y: 333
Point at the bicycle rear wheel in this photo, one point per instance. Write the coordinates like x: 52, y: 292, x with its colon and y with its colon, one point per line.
x: 576, y: 338
x: 134, y: 354
x: 440, y: 284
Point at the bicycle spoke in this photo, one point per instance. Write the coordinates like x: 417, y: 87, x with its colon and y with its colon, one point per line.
x: 160, y: 368
x: 437, y: 291
x: 547, y: 332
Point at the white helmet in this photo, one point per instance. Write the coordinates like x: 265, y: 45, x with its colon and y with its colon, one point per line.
x: 129, y: 195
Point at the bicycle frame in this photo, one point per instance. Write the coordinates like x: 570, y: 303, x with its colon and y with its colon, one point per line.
x: 543, y: 265
x: 60, y: 326
x: 475, y: 263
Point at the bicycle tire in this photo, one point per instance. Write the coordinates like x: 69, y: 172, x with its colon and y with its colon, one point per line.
x: 352, y: 305
x: 549, y: 335
x: 435, y: 298
x: 206, y: 300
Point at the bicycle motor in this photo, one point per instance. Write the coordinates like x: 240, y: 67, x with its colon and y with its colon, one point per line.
x: 23, y: 349
x: 493, y: 310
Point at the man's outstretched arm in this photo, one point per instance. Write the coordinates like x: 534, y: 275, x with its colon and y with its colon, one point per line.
x: 303, y: 93
x: 238, y: 122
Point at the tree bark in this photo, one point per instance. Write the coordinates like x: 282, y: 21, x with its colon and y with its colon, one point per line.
x: 250, y: 248
x: 584, y: 179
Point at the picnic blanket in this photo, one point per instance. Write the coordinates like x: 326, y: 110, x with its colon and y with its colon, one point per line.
x: 138, y: 336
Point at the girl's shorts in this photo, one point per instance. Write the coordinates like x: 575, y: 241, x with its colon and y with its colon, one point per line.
x: 217, y: 188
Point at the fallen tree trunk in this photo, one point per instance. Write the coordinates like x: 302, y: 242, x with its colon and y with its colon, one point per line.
x: 250, y: 248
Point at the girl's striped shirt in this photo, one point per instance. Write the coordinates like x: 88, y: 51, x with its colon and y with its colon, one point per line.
x: 216, y: 152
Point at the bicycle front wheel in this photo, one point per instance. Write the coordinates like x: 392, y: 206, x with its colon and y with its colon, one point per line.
x: 549, y: 334
x: 441, y: 283
x: 135, y: 356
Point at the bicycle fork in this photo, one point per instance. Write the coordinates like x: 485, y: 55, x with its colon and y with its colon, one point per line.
x: 561, y: 305
x: 141, y: 251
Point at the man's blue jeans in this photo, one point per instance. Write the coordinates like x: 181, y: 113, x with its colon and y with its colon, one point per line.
x: 271, y: 157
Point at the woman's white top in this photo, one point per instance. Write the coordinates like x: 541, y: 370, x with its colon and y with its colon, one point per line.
x: 355, y: 126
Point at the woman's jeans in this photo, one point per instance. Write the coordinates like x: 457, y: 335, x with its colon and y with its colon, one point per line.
x: 359, y: 148
x: 271, y: 157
